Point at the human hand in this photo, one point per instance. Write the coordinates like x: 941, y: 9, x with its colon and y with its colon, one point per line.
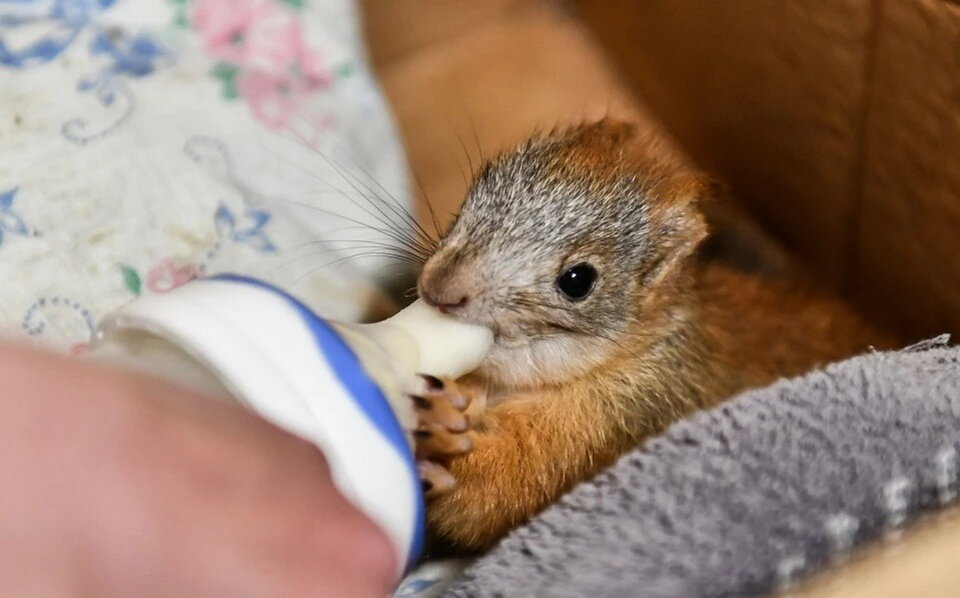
x: 114, y: 484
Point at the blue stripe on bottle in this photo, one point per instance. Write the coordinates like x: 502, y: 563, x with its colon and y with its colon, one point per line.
x: 367, y: 395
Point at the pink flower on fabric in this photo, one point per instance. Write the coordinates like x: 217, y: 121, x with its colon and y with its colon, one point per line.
x: 221, y: 25
x: 275, y: 100
x: 166, y: 276
x: 244, y: 31
x: 265, y: 42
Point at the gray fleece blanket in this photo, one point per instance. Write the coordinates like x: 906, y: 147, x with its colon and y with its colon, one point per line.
x: 753, y: 495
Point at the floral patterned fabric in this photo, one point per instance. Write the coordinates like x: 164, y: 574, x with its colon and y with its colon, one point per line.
x: 144, y: 143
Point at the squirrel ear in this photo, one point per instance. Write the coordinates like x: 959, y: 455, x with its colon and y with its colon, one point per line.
x: 617, y: 131
x: 680, y: 225
x: 605, y: 134
x: 695, y: 189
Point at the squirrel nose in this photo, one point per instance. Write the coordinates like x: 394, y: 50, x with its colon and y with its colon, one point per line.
x: 446, y: 283
x: 444, y: 287
x: 447, y: 302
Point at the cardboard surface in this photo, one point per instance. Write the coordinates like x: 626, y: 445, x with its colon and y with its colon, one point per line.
x: 908, y: 236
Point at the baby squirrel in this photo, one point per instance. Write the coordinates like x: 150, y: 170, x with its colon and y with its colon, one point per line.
x: 580, y: 251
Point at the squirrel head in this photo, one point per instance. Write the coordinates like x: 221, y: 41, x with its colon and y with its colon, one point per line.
x: 570, y: 248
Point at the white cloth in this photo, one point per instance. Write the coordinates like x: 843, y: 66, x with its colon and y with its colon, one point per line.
x: 144, y: 142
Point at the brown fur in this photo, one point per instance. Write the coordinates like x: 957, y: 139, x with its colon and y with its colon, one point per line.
x: 698, y: 332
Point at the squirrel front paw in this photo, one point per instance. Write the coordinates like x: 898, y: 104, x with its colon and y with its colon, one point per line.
x: 441, y: 433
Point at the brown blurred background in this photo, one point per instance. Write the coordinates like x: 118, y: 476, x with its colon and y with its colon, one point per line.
x: 836, y: 121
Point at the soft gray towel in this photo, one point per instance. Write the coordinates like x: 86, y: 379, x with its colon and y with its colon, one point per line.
x: 753, y: 495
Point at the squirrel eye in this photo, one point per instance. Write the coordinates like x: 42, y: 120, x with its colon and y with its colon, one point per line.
x: 577, y: 282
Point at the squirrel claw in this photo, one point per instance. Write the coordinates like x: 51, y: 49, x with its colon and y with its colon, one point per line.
x: 436, y: 442
x: 442, y: 424
x: 435, y: 478
x: 438, y: 409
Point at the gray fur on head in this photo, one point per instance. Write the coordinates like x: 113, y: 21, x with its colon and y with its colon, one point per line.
x: 592, y: 194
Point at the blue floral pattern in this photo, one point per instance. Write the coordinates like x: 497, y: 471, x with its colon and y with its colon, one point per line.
x: 213, y: 156
x: 45, y: 29
x: 133, y: 55
x: 127, y: 55
x: 250, y: 233
x: 10, y: 222
x: 58, y: 22
x: 34, y: 321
